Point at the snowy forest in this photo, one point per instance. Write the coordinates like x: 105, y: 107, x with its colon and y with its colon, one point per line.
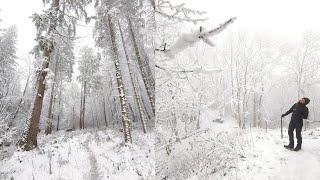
x: 70, y: 104
x: 221, y: 91
x: 159, y: 89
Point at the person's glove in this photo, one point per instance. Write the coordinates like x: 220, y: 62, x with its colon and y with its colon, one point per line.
x: 283, y: 115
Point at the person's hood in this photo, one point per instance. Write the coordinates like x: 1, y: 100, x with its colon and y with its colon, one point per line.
x: 307, y: 100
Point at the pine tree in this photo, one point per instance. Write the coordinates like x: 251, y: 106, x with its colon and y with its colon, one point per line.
x: 47, y: 26
x: 46, y: 45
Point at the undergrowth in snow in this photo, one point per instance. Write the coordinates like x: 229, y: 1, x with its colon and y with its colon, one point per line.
x: 209, y: 152
x: 221, y: 150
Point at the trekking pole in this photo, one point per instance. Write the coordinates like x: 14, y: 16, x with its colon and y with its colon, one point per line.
x: 281, y: 129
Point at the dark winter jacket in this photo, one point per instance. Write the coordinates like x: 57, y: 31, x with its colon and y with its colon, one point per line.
x: 299, y: 112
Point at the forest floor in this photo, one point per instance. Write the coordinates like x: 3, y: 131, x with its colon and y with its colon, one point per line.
x: 266, y: 158
x: 86, y: 154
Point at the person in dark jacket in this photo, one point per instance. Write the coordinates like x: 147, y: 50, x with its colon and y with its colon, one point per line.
x: 299, y: 112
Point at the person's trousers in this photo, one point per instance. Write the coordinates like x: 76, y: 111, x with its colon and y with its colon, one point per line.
x: 298, y: 127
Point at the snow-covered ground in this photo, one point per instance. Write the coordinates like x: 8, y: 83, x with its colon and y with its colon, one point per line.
x: 266, y: 158
x: 223, y: 151
x: 207, y: 153
x: 89, y: 154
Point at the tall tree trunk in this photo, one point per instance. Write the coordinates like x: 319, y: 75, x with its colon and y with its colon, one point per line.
x: 239, y: 108
x: 113, y: 112
x: 73, y: 123
x: 104, y: 112
x: 254, y: 109
x: 233, y: 105
x: 80, y: 115
x: 59, y: 108
x: 123, y: 102
x: 149, y: 117
x: 81, y: 104
x: 29, y: 139
x: 84, y: 103
x: 137, y: 97
x: 92, y: 116
x: 198, y: 118
x: 260, y: 107
x: 144, y: 68
x: 244, y: 100
x: 153, y: 4
x: 48, y: 129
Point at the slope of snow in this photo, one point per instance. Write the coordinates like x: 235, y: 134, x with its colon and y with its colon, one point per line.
x: 89, y: 154
x: 220, y: 150
x: 266, y: 158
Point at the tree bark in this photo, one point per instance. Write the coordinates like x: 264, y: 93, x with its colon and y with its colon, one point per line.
x: 48, y: 129
x: 92, y: 116
x: 254, y: 109
x: 144, y: 68
x: 153, y: 4
x: 29, y: 139
x: 81, y: 104
x: 73, y: 118
x: 59, y: 114
x: 137, y: 97
x: 104, y: 112
x: 84, y: 103
x: 123, y: 102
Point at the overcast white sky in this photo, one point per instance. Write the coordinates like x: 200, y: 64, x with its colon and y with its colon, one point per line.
x: 282, y: 18
x: 17, y: 12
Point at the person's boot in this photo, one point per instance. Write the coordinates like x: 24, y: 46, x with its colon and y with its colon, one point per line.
x: 289, y: 146
x: 297, y: 148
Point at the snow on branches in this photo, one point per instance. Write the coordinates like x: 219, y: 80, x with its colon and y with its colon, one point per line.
x: 177, y: 12
x: 195, y: 70
x: 188, y: 39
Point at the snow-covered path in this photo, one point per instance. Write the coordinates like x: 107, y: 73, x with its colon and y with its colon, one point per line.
x: 94, y: 173
x: 265, y: 157
x: 86, y: 154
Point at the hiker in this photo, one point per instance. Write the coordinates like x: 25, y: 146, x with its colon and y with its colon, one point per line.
x: 299, y: 112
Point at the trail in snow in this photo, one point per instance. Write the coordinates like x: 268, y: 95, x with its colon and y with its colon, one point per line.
x: 266, y: 158
x: 94, y: 173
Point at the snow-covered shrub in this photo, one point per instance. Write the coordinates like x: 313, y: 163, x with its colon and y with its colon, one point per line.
x: 204, y: 155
